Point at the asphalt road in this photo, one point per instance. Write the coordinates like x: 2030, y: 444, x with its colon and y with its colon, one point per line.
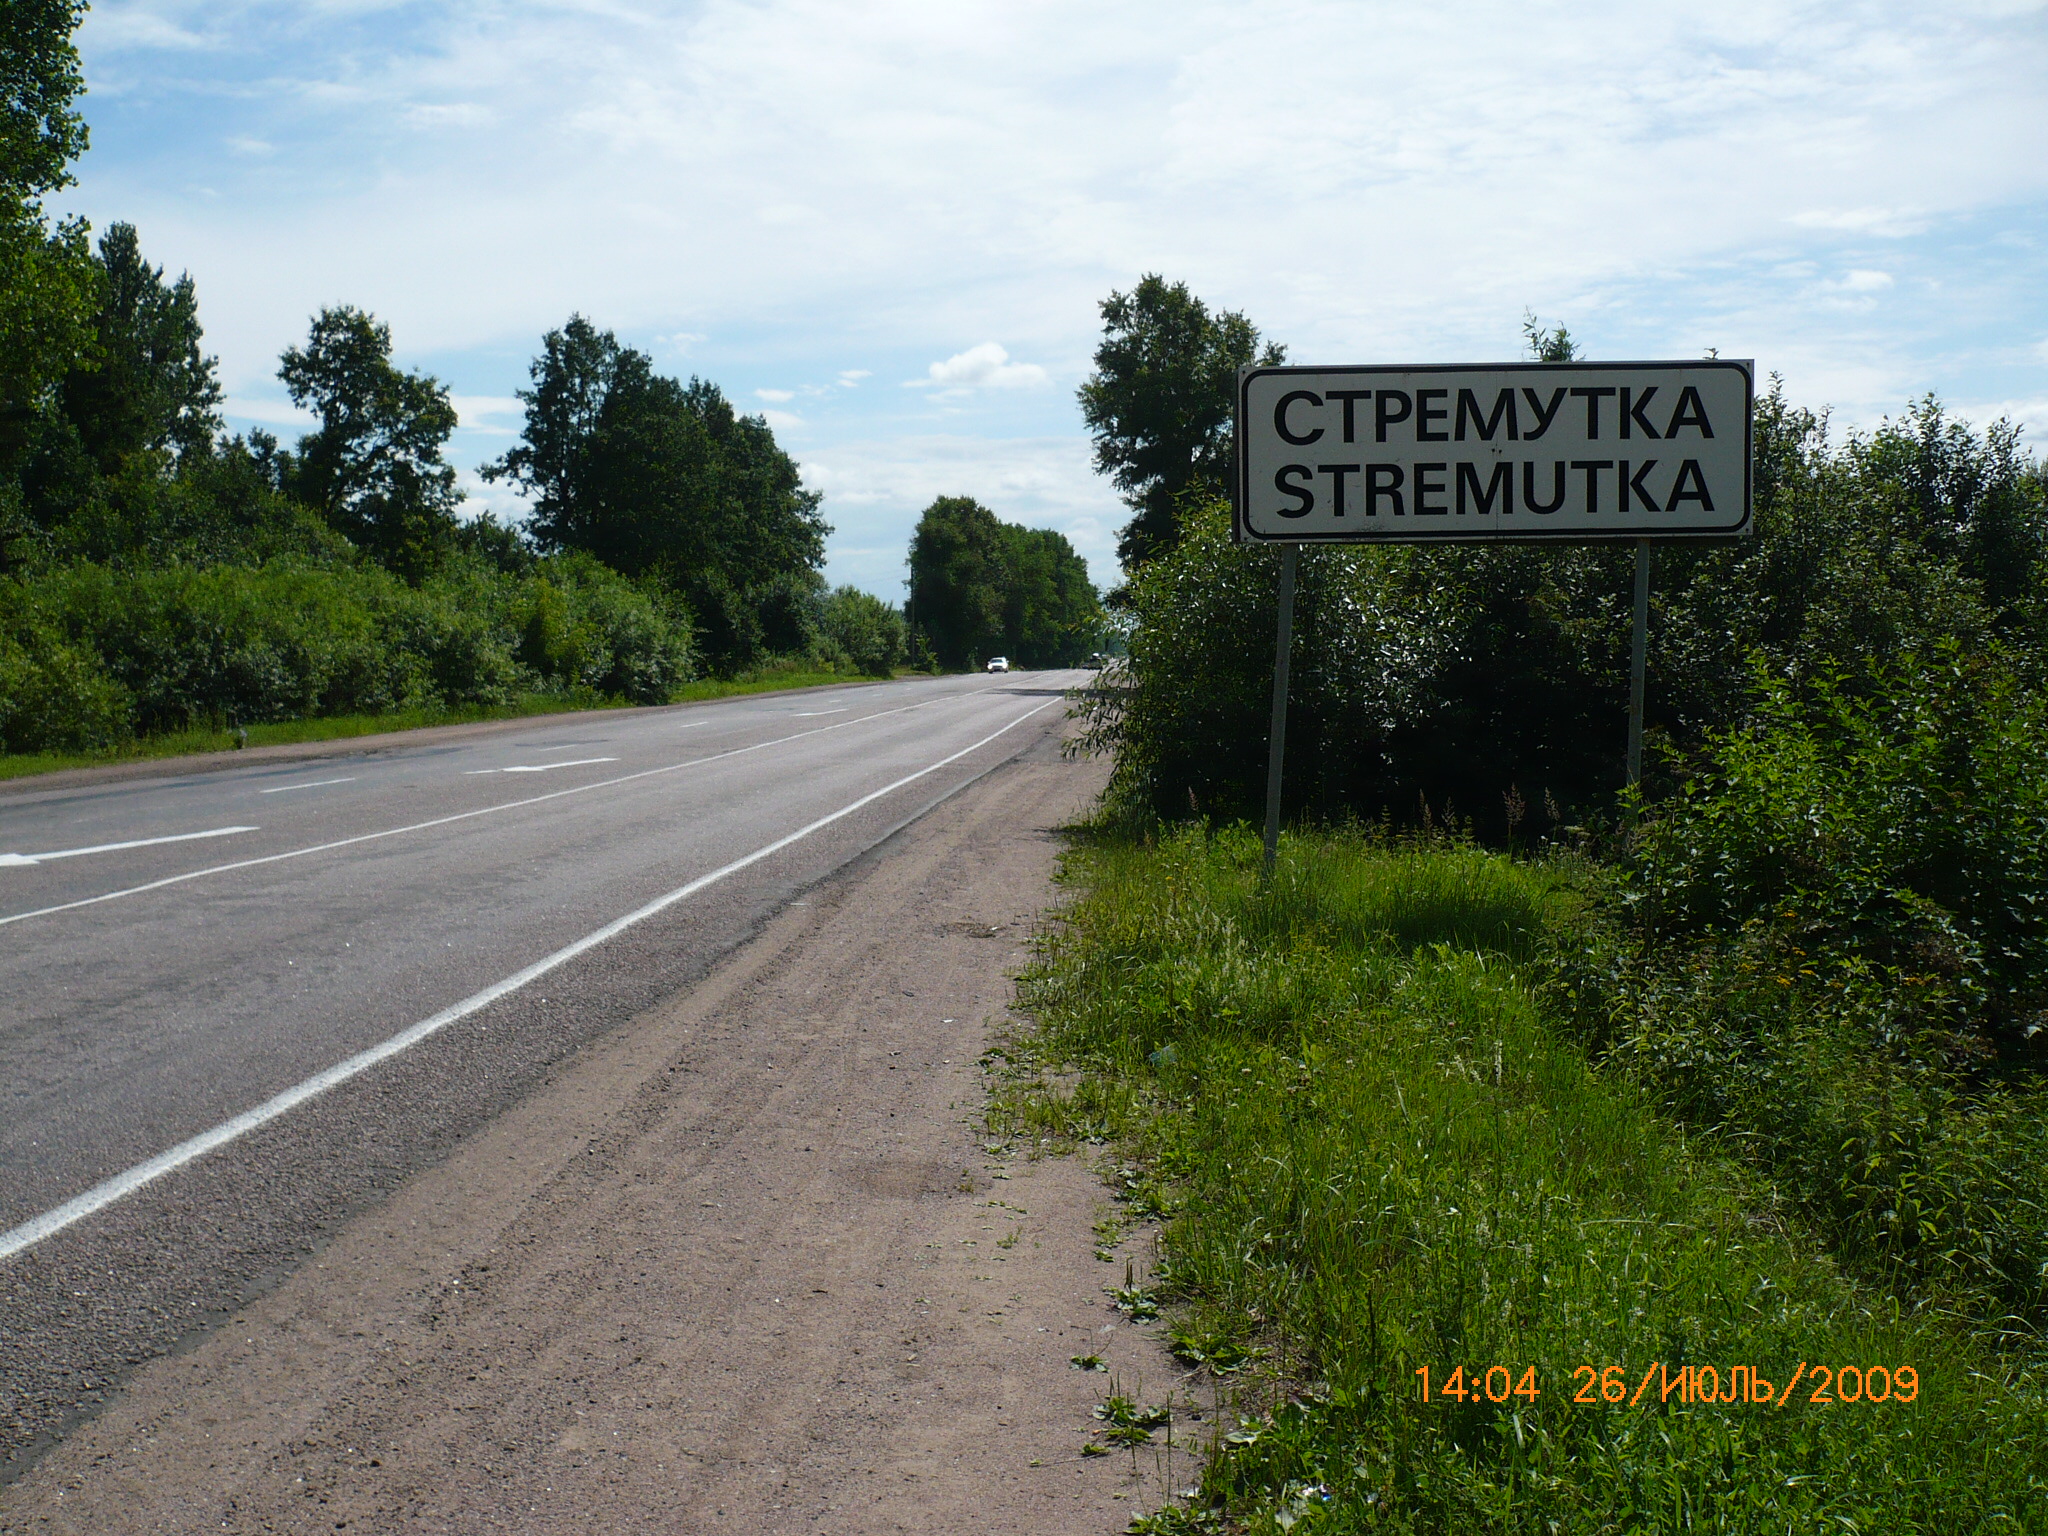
x: 175, y: 952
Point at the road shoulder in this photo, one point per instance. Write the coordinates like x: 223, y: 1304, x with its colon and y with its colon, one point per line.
x: 743, y: 1263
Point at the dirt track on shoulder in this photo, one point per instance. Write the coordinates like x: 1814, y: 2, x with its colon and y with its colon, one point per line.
x: 742, y: 1266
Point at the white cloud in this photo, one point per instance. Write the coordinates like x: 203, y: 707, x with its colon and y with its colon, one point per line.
x: 849, y: 378
x: 987, y: 366
x: 782, y: 421
x: 778, y: 396
x: 2030, y: 415
x: 1889, y: 223
x: 138, y: 27
x: 2041, y: 349
x: 489, y: 413
x: 450, y: 114
x: 269, y: 411
x: 1862, y: 280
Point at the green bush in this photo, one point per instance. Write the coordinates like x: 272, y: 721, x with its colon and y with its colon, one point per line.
x: 1905, y: 825
x: 864, y: 630
x: 94, y: 655
x: 55, y: 697
x: 1831, y: 949
x: 581, y: 625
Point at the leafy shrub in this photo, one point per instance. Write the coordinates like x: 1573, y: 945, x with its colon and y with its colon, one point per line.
x: 1831, y: 947
x: 582, y: 625
x: 55, y: 697
x: 1905, y: 825
x: 94, y: 654
x: 863, y: 629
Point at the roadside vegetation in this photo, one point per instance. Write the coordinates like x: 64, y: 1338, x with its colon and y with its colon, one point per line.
x: 1378, y: 1147
x: 1508, y: 1068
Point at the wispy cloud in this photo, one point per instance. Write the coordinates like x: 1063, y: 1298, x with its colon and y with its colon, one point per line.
x: 1889, y: 223
x: 489, y: 413
x: 273, y: 412
x: 875, y: 489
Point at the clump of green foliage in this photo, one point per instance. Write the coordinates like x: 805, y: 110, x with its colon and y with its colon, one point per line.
x: 93, y: 655
x: 981, y: 587
x: 1376, y: 1149
x: 860, y: 633
x: 1829, y: 948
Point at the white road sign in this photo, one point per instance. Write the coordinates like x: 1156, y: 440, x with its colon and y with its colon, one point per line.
x: 1518, y: 451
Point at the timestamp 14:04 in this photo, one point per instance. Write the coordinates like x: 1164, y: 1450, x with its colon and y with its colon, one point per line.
x: 1689, y: 1384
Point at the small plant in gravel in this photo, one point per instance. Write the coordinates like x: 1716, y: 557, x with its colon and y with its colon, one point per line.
x: 1126, y: 1422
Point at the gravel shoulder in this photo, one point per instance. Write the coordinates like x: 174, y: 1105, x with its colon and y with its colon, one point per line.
x: 742, y: 1265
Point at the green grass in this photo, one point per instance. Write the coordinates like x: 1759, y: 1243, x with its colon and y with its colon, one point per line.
x: 341, y: 727
x: 1373, y: 1150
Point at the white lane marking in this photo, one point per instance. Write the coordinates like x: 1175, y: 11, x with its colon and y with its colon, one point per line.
x: 309, y: 784
x: 487, y: 810
x: 17, y: 860
x: 540, y: 767
x: 805, y: 714
x: 121, y: 1185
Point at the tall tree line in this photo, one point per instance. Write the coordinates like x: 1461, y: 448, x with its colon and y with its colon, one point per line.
x: 980, y: 587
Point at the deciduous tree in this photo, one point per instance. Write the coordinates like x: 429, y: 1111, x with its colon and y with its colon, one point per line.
x: 374, y: 465
x: 666, y: 481
x: 1160, y: 403
x: 980, y: 587
x: 47, y: 287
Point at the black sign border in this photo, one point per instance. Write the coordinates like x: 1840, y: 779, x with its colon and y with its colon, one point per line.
x: 1242, y: 533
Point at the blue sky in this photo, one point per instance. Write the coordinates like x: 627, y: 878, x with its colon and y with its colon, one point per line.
x: 888, y: 225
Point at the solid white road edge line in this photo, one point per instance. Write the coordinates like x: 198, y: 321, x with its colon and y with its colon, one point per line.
x: 121, y: 1185
x: 14, y: 860
x: 509, y: 805
x: 309, y: 784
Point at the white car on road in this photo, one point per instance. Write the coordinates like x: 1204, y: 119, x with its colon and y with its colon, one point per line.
x: 999, y: 663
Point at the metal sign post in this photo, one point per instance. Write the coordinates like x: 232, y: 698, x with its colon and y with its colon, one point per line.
x: 1276, y: 738
x: 1638, y: 663
x: 1527, y: 453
